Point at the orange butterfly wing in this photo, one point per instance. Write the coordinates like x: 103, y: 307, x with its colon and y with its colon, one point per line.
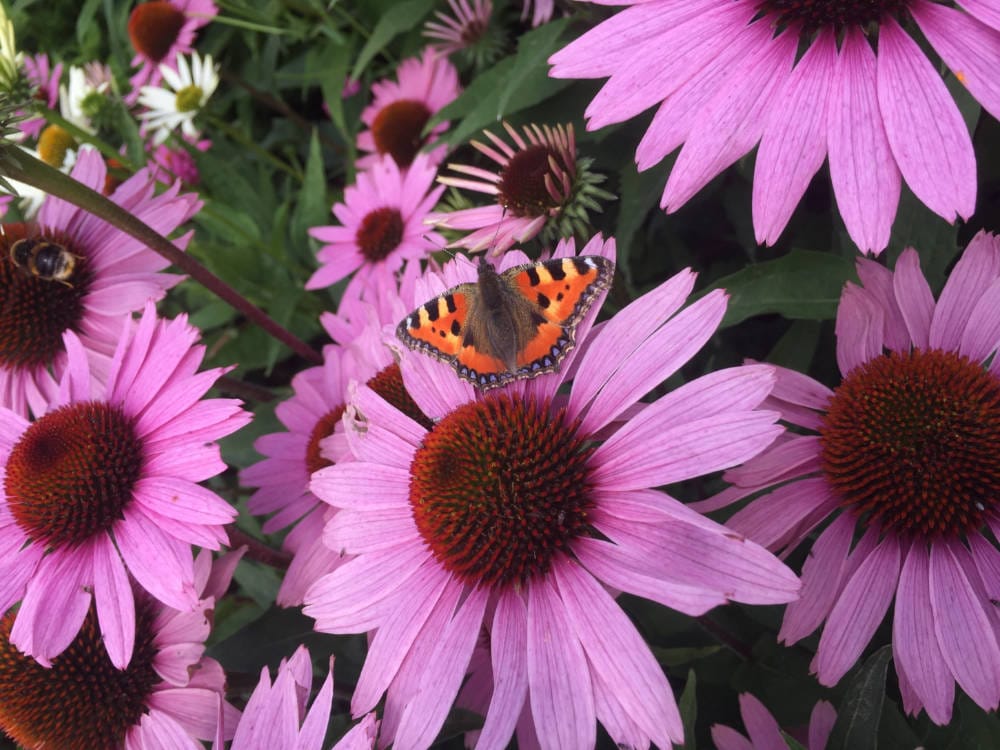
x: 436, y: 326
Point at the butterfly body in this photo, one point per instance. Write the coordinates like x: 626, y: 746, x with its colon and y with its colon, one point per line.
x: 511, y: 325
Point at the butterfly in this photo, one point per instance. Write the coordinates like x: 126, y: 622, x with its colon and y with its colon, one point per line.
x: 511, y: 325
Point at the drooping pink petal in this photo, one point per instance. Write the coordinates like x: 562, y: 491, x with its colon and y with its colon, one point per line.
x: 857, y: 612
x: 508, y: 651
x: 617, y: 652
x: 115, y: 605
x: 985, y: 10
x: 561, y: 695
x: 162, y: 565
x: 784, y: 516
x: 866, y: 180
x: 967, y: 637
x: 793, y: 146
x: 970, y: 48
x: 914, y: 644
x: 821, y: 722
x: 424, y: 716
x: 929, y: 139
x: 732, y: 122
x: 982, y: 334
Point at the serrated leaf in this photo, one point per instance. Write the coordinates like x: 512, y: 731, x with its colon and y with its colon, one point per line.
x: 803, y: 285
x: 402, y: 17
x: 531, y: 60
x: 861, y: 710
x: 688, y: 706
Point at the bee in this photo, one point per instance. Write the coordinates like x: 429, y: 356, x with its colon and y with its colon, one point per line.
x: 46, y: 260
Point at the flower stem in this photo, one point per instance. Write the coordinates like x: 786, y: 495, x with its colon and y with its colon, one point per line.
x: 19, y: 165
x: 256, y: 549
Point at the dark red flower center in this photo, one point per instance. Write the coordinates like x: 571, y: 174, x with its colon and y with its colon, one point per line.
x: 388, y: 383
x: 153, y: 28
x: 499, y: 487
x: 910, y: 442
x: 37, y: 308
x: 817, y: 14
x: 380, y: 233
x: 82, y: 701
x: 315, y: 460
x: 522, y: 189
x: 71, y: 473
x: 398, y: 129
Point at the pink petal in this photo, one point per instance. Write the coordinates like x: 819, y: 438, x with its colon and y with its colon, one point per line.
x: 822, y: 579
x: 866, y: 180
x: 561, y: 695
x: 860, y: 328
x: 784, y: 516
x: 821, y: 722
x: 162, y: 565
x: 424, y: 716
x: 761, y: 726
x: 878, y: 282
x: 617, y: 652
x: 975, y: 271
x: 985, y: 10
x: 928, y: 137
x: 981, y: 335
x: 157, y: 731
x: 913, y: 294
x: 115, y: 605
x: 857, y: 613
x: 975, y: 59
x: 914, y: 644
x: 966, y: 635
x: 727, y: 738
x: 732, y: 122
x: 802, y: 390
x: 509, y: 653
x: 793, y: 146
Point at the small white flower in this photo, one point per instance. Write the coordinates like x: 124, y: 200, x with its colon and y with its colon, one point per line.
x: 186, y: 92
x: 77, y: 100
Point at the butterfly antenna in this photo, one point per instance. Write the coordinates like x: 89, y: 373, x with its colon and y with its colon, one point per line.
x: 491, y: 250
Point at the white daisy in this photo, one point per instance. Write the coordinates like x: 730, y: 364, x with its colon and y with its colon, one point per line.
x: 188, y: 89
x: 80, y: 100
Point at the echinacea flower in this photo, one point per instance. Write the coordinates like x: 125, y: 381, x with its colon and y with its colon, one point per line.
x: 900, y: 463
x: 542, y: 187
x: 401, y: 108
x: 105, y: 484
x: 382, y: 225
x: 276, y: 716
x: 467, y: 31
x: 169, y: 163
x: 184, y: 96
x: 113, y: 274
x: 44, y: 79
x: 765, y: 734
x: 169, y: 696
x: 726, y: 75
x: 160, y: 30
x: 517, y: 510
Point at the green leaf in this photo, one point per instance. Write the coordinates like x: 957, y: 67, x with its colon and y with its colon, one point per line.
x: 334, y: 65
x: 640, y: 193
x: 688, y: 706
x: 801, y: 285
x: 312, y: 208
x: 531, y: 61
x: 861, y: 710
x: 402, y: 17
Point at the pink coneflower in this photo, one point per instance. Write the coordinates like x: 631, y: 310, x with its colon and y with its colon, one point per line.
x: 169, y: 163
x: 467, y: 31
x: 541, y: 186
x: 105, y: 484
x: 170, y: 695
x: 382, y: 225
x: 904, y: 453
x: 726, y: 77
x: 765, y: 734
x: 276, y: 715
x: 160, y: 30
x: 113, y: 274
x: 514, y: 510
x: 45, y: 80
x: 401, y: 108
